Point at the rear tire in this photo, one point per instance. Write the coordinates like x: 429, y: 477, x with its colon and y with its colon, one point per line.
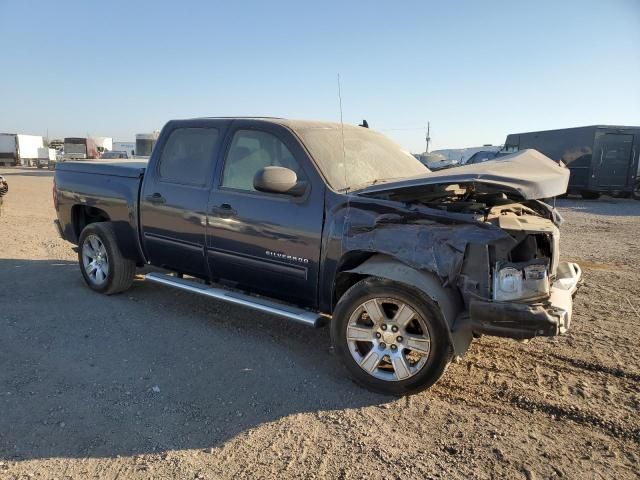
x: 391, y: 338
x: 635, y: 193
x: 103, y: 267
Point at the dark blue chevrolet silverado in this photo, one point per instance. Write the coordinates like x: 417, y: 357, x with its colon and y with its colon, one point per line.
x: 316, y: 222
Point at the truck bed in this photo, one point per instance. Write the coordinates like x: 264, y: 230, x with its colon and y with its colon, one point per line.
x: 105, y: 189
x: 117, y: 168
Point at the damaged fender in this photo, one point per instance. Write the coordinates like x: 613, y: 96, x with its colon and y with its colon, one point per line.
x: 421, y: 237
x: 447, y: 299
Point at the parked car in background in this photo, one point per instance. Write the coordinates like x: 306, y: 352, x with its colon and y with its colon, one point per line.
x: 485, y: 156
x: 436, y: 161
x: 601, y: 158
x: 316, y: 221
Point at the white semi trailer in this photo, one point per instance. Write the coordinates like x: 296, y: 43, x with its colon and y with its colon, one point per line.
x: 18, y: 149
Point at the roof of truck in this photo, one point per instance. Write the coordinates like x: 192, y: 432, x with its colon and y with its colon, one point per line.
x: 291, y: 123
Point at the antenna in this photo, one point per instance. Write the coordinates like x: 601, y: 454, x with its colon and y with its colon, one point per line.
x: 344, y: 154
x: 344, y: 165
x: 428, y: 137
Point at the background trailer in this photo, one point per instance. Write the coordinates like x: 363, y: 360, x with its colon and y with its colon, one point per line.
x: 602, y: 159
x: 18, y: 149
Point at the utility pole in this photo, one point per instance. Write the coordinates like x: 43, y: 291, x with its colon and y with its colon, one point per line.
x: 428, y: 138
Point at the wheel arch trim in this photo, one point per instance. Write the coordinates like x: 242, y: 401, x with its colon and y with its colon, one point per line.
x: 447, y: 299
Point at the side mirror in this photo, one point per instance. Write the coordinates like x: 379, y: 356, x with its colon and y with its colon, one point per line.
x: 278, y: 180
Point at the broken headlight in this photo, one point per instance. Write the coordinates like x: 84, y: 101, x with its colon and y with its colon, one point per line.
x: 520, y: 281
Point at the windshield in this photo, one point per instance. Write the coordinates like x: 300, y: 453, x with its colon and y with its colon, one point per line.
x: 368, y: 156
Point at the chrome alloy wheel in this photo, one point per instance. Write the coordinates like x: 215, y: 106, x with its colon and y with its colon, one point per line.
x: 95, y: 259
x: 388, y: 339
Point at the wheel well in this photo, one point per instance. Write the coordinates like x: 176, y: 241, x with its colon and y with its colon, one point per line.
x: 83, y: 215
x: 345, y: 280
x: 447, y: 298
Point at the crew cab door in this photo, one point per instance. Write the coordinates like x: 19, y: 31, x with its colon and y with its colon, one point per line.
x: 173, y: 203
x: 265, y: 242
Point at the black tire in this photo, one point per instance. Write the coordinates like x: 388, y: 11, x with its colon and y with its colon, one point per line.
x: 588, y: 195
x: 121, y: 270
x: 635, y: 193
x: 440, y: 351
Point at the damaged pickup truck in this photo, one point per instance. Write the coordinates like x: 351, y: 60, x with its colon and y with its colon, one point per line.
x: 315, y: 222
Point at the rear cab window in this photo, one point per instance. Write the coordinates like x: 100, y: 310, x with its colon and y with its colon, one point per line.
x: 187, y: 157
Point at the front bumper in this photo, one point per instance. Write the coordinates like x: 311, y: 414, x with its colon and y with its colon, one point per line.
x: 546, y: 318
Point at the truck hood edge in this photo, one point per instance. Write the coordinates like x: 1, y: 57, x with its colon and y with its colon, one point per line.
x: 528, y: 173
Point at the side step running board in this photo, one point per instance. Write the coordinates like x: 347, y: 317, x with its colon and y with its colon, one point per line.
x: 290, y: 312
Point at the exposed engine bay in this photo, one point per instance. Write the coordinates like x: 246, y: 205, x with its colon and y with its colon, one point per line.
x: 524, y: 270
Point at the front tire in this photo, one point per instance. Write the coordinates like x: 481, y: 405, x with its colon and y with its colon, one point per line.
x: 102, y: 264
x: 635, y: 193
x: 392, y: 338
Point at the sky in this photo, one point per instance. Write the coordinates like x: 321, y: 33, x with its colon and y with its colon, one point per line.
x: 477, y: 70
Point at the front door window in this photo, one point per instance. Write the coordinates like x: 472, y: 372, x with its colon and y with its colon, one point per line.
x: 251, y: 151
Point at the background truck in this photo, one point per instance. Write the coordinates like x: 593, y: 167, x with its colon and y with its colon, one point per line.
x: 145, y: 143
x: 46, y: 157
x: 314, y: 221
x: 80, y: 148
x: 601, y: 158
x: 19, y: 149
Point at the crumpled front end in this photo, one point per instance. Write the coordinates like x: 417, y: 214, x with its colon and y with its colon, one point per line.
x: 548, y: 316
x: 501, y: 252
x: 528, y: 291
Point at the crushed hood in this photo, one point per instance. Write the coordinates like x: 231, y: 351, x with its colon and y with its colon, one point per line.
x: 528, y: 173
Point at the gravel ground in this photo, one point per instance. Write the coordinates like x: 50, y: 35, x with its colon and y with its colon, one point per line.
x: 156, y: 383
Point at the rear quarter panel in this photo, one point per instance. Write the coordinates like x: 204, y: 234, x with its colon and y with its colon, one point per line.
x: 117, y: 196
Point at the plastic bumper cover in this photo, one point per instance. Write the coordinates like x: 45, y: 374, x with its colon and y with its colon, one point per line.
x: 548, y: 318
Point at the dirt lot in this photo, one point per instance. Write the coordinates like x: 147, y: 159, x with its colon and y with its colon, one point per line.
x: 161, y: 384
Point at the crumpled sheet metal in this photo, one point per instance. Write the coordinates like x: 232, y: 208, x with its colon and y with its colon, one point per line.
x: 434, y: 244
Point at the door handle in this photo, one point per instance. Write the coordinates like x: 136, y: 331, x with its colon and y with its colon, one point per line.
x: 156, y: 198
x: 224, y: 210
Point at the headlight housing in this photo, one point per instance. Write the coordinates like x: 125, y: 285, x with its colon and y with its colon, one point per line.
x: 521, y: 281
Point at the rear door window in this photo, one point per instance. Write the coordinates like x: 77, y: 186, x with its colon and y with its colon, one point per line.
x: 188, y: 156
